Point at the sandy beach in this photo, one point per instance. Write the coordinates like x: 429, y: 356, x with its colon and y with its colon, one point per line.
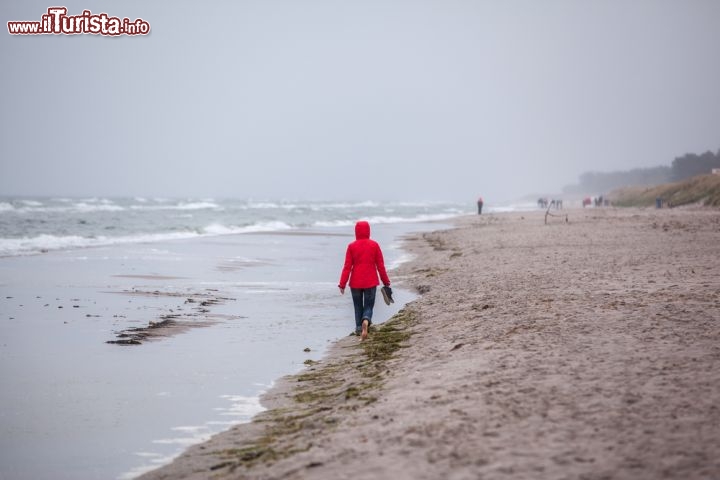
x: 180, y: 188
x: 581, y: 349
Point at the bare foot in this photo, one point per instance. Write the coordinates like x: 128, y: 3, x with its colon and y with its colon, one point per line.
x: 364, y: 333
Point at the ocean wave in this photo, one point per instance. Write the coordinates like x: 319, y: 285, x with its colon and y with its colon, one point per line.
x: 309, y: 205
x: 179, y: 206
x: 44, y: 243
x: 104, y: 206
x: 94, y: 204
x: 380, y: 219
x: 197, y: 206
x: 58, y: 225
x: 340, y: 205
x: 426, y: 204
x: 219, y: 229
x: 81, y: 207
x: 104, y: 201
x: 270, y: 205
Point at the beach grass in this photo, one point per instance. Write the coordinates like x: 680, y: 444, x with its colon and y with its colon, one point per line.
x: 703, y: 189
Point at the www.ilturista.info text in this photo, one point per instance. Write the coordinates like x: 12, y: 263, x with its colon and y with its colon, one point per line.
x: 57, y: 21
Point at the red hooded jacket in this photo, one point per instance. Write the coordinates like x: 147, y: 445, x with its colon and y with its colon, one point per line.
x: 363, y: 261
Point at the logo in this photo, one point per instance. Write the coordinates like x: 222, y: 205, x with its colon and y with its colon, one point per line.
x: 57, y: 22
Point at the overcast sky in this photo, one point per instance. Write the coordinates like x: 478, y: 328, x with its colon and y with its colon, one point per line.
x: 361, y: 99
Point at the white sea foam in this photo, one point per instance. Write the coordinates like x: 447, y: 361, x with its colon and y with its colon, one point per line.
x: 179, y: 206
x: 427, y: 204
x: 197, y: 206
x: 104, y: 201
x: 219, y: 229
x: 404, y: 258
x: 104, y: 206
x: 268, y: 205
x: 80, y: 207
x: 241, y: 406
x: 153, y: 461
x: 6, y: 207
x: 19, y: 246
x: 342, y: 205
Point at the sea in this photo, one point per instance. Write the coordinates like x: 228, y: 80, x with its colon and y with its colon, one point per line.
x: 76, y: 273
x: 35, y: 225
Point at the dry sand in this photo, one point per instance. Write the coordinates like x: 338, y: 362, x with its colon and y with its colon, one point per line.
x: 580, y: 350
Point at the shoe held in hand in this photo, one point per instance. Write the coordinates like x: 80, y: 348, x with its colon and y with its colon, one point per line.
x: 387, y: 295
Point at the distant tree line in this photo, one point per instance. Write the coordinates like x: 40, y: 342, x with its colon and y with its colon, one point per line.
x: 689, y: 165
x: 599, y: 182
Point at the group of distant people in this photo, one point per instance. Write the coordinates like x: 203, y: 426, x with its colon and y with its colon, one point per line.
x: 557, y: 203
x: 554, y: 203
x: 597, y: 201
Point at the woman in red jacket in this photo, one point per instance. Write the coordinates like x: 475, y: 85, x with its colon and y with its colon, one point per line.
x: 363, y: 262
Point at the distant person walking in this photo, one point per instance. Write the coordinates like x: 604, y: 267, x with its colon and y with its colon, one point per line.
x: 480, y: 205
x: 363, y: 261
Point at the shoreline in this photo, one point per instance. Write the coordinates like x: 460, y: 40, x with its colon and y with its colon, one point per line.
x: 548, y: 351
x: 134, y: 377
x: 318, y: 374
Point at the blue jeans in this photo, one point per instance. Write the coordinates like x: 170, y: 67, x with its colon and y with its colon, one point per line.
x: 363, y: 301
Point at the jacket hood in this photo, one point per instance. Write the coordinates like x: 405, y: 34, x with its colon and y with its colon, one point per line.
x: 362, y: 230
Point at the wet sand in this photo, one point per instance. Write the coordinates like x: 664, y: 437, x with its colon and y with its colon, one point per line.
x: 174, y: 321
x: 588, y: 349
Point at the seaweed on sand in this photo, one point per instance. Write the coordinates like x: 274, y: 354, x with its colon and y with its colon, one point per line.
x: 319, y: 396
